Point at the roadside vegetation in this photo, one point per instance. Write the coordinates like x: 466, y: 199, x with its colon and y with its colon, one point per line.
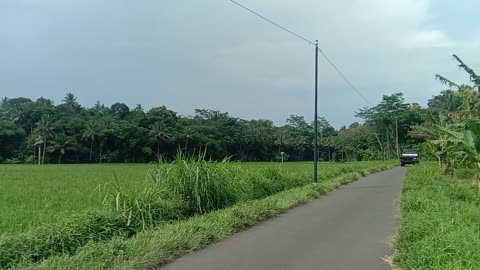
x: 441, y: 202
x: 453, y: 135
x: 440, y: 220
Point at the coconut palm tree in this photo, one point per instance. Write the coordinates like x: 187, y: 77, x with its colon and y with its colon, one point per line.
x: 188, y: 135
x: 91, y: 133
x: 71, y: 101
x: 61, y: 143
x: 160, y: 132
x: 45, y: 129
x: 4, y: 102
x: 243, y: 139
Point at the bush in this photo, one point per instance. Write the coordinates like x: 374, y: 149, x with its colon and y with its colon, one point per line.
x: 144, y: 206
x: 12, y: 161
x: 203, y: 186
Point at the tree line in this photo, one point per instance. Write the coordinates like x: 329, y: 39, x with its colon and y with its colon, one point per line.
x: 38, y: 131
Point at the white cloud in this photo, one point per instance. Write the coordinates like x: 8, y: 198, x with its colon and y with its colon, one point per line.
x: 427, y: 39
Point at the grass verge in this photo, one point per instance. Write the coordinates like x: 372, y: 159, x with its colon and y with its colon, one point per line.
x: 441, y: 221
x: 154, y: 247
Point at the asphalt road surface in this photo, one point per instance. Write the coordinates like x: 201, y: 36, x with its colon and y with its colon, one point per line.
x: 350, y: 228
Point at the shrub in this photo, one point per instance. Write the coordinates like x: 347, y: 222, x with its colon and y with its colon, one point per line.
x: 203, y: 186
x: 145, y: 206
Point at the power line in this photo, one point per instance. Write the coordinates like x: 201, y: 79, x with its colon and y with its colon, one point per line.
x: 309, y: 42
x: 272, y: 22
x: 345, y: 78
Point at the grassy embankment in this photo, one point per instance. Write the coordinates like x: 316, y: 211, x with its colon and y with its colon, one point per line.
x: 441, y: 221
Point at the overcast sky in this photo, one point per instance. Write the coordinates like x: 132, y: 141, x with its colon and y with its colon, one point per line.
x: 189, y: 54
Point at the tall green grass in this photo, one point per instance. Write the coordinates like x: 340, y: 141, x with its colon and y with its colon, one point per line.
x: 441, y: 221
x: 204, y: 186
x: 194, y: 186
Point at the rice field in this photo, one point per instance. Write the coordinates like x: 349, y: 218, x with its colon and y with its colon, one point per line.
x: 32, y: 195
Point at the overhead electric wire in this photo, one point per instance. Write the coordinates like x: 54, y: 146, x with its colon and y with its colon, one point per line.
x: 272, y: 22
x: 345, y: 78
x: 309, y: 42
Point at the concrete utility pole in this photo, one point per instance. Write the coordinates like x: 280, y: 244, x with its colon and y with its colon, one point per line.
x: 315, y: 158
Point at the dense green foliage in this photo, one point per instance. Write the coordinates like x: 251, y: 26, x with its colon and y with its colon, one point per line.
x: 152, y: 247
x: 441, y: 221
x: 40, y: 132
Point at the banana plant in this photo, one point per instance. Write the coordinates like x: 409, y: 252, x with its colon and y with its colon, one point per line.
x: 456, y: 145
x: 472, y: 139
x: 446, y: 147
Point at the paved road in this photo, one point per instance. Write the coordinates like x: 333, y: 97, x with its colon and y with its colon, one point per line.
x: 349, y: 228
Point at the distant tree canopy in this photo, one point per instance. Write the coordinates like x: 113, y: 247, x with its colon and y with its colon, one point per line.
x: 42, y: 132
